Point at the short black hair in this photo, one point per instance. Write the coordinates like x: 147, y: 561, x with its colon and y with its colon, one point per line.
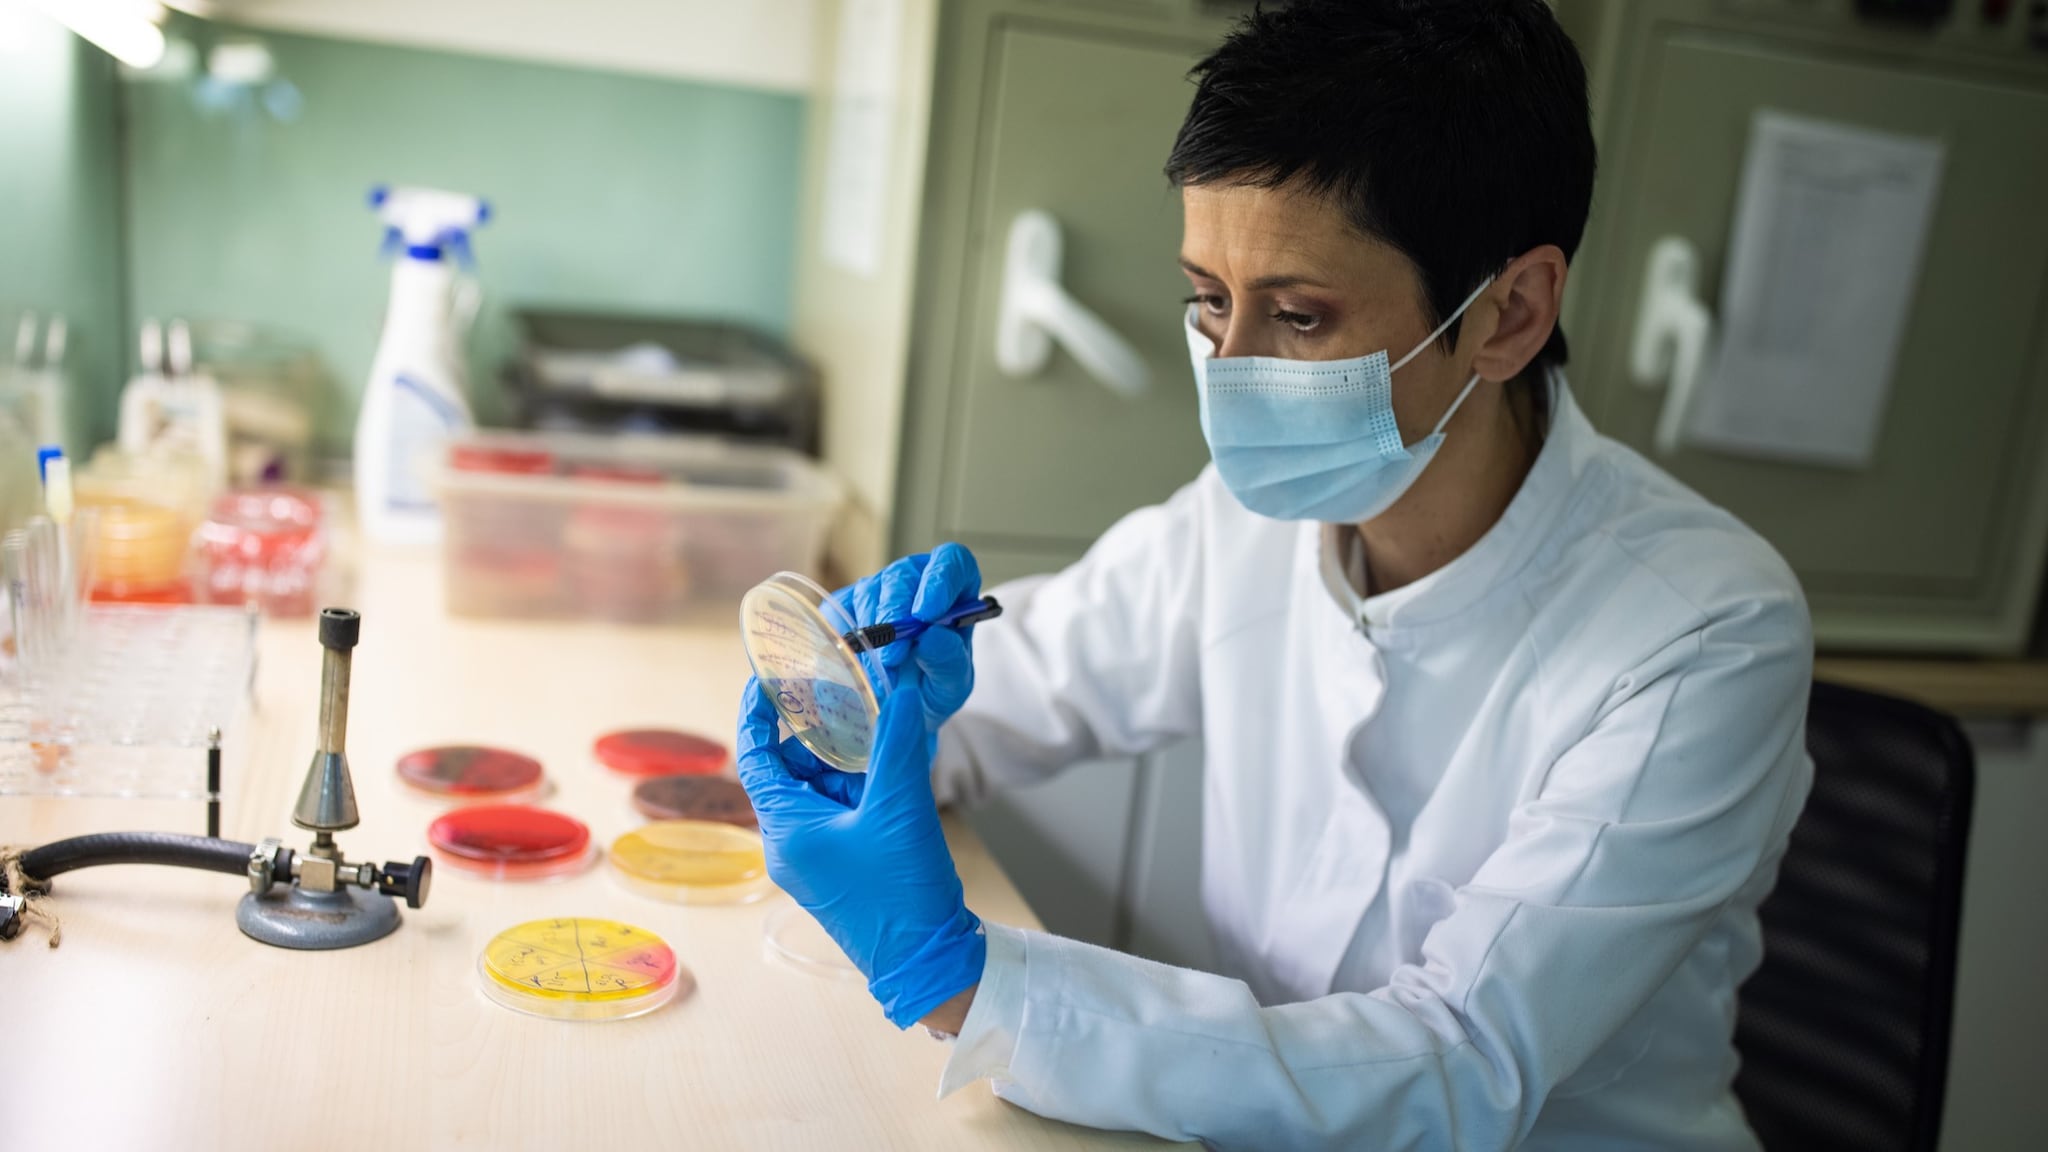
x: 1456, y: 131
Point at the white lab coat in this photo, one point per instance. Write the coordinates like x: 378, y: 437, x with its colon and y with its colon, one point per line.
x: 1481, y: 856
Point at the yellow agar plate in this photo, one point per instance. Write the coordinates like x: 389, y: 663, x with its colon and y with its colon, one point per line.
x: 580, y: 969
x: 692, y: 862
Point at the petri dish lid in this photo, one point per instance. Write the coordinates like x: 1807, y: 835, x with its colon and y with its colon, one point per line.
x: 825, y: 692
x: 579, y: 968
x: 692, y: 862
x: 712, y: 798
x: 471, y: 772
x: 660, y: 752
x: 511, y: 842
x: 794, y: 937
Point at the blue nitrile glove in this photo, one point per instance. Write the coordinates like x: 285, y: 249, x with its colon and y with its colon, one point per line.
x: 864, y: 854
x: 927, y: 587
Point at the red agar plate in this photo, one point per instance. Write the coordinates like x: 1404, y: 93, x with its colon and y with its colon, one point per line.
x: 511, y: 842
x: 661, y: 752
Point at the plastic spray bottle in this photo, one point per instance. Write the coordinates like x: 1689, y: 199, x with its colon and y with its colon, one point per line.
x: 414, y: 401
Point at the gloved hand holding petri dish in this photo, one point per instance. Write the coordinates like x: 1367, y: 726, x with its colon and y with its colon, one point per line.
x: 827, y: 671
x: 828, y: 693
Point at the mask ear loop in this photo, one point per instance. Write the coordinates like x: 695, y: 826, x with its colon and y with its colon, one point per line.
x: 1441, y: 328
x: 1431, y: 339
x: 1453, y: 409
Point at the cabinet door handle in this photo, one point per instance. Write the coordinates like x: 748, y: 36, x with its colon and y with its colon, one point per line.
x: 1673, y: 331
x: 1036, y: 310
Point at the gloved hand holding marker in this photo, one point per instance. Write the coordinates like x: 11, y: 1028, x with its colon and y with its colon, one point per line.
x: 873, y: 636
x: 928, y: 589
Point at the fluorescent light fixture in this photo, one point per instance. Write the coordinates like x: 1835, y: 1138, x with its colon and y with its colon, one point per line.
x: 124, y: 29
x: 17, y: 25
x: 246, y: 63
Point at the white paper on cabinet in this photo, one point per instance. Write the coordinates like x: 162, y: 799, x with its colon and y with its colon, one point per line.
x: 1830, y: 224
x: 863, y: 124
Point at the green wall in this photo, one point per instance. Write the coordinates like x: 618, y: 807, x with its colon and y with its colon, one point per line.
x: 60, y: 244
x: 606, y: 191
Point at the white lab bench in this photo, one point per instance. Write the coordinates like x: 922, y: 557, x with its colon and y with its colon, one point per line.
x: 157, y: 1024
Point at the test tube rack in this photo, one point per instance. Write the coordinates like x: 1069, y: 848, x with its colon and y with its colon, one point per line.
x: 135, y: 707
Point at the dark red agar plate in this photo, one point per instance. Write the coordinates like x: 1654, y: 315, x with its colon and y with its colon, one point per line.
x: 695, y: 798
x: 471, y: 773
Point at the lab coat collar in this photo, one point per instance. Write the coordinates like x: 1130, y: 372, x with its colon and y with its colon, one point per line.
x: 1498, y: 557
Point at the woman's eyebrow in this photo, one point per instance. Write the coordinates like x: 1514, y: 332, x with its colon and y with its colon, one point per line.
x: 1262, y: 284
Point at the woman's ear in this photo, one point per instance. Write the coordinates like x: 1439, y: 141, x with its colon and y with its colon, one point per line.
x: 1526, y: 296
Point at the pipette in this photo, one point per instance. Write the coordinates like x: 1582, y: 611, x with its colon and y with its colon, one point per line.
x: 910, y: 627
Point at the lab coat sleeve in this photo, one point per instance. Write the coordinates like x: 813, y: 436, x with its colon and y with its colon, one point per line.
x: 1680, y: 793
x: 1097, y: 661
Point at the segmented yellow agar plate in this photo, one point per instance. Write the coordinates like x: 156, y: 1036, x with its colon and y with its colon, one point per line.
x: 578, y: 968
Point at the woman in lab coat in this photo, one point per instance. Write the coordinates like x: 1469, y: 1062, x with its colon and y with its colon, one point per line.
x: 1503, y: 727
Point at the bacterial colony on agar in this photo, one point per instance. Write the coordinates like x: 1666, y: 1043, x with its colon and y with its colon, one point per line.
x: 581, y: 969
x: 692, y: 862
x: 825, y: 692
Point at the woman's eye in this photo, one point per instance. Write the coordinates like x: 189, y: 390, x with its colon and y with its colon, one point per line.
x: 1212, y: 304
x: 1299, y: 321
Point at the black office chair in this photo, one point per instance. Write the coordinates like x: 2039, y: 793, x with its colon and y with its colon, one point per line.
x: 1844, y: 1029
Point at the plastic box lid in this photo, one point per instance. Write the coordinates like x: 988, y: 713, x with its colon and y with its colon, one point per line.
x: 707, y: 473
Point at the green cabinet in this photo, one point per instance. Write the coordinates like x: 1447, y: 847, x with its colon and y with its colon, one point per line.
x: 1938, y: 543
x: 1070, y: 111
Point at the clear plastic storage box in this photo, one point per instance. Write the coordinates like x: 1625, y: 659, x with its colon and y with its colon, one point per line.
x: 624, y: 528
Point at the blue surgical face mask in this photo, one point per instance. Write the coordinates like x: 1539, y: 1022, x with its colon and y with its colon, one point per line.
x: 1312, y: 439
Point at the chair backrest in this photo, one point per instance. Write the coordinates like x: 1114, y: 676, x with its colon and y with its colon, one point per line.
x: 1844, y: 1028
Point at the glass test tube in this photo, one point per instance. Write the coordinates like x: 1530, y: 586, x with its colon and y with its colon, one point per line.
x: 46, y: 588
x: 14, y: 566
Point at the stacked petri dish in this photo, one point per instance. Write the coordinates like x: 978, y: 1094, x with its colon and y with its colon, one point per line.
x: 261, y: 545
x: 503, y: 544
x: 624, y: 560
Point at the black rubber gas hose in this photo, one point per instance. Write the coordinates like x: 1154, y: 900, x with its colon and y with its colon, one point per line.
x: 172, y: 848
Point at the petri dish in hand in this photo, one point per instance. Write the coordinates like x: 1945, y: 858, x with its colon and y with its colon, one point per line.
x: 581, y: 968
x: 511, y: 842
x: 828, y: 694
x: 692, y: 862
